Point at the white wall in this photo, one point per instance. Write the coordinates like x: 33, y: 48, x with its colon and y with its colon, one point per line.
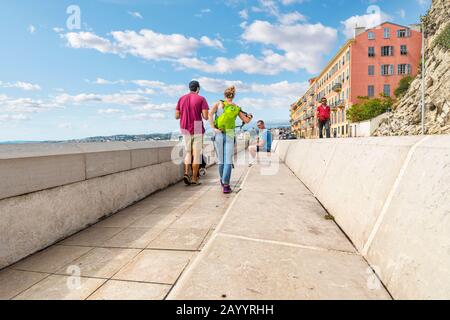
x: 391, y: 196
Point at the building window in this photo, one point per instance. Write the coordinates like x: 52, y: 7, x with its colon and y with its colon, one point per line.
x: 371, y: 35
x: 371, y: 91
x: 403, y: 50
x: 404, y: 69
x: 371, y: 70
x: 387, y: 90
x: 387, y: 33
x: 403, y: 33
x: 371, y: 51
x: 387, y: 69
x: 387, y: 51
x: 348, y: 56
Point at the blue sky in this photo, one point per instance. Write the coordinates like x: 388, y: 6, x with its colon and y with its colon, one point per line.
x: 122, y: 69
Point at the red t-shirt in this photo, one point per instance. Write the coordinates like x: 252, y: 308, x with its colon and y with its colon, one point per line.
x: 191, y: 107
x: 323, y: 113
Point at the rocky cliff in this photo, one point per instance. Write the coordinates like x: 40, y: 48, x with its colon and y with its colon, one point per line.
x: 405, y: 119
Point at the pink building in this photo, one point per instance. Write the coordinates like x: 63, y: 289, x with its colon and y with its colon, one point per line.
x: 371, y: 63
x: 380, y: 57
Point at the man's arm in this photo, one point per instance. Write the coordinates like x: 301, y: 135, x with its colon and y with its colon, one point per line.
x: 205, y: 109
x: 177, y: 111
x: 205, y: 114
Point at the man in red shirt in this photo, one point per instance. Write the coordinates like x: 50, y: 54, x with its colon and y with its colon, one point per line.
x: 191, y: 110
x: 323, y: 117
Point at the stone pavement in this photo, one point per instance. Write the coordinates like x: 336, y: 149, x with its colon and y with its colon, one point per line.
x: 138, y: 253
x: 271, y: 240
x: 277, y: 242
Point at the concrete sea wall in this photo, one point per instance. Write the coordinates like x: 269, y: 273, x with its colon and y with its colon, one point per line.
x: 51, y: 191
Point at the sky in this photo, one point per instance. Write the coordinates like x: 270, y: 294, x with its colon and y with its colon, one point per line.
x: 74, y: 69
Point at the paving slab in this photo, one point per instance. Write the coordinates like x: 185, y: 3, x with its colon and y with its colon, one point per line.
x: 93, y: 237
x: 127, y: 290
x: 286, y: 218
x: 14, y: 282
x: 57, y: 287
x: 156, y: 266
x: 179, y: 239
x: 157, y: 221
x: 133, y: 238
x: 52, y: 259
x: 100, y: 262
x: 241, y: 269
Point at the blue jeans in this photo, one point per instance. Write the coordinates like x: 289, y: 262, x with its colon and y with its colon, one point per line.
x: 225, y: 150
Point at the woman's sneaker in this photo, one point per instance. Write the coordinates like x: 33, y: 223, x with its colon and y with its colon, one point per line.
x: 226, y: 189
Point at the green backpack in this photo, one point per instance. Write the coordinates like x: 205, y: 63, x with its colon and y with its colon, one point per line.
x: 227, y: 120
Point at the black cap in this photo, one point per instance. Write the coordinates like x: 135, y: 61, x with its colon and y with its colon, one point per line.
x: 194, y: 85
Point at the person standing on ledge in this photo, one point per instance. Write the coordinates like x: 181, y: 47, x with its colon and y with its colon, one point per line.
x: 191, y: 108
x: 323, y: 116
x: 222, y: 118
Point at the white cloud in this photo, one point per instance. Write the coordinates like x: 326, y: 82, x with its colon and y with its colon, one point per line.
x: 167, y: 89
x: 423, y: 3
x: 109, y: 111
x: 135, y: 14
x: 402, y: 13
x: 115, y: 99
x: 289, y: 2
x: 13, y: 117
x: 104, y: 81
x: 145, y: 116
x: 264, y: 103
x: 279, y: 89
x: 298, y: 43
x: 65, y: 125
x: 243, y: 14
x: 292, y: 18
x: 24, y: 105
x: 89, y: 40
x: 58, y: 30
x: 146, y: 44
x: 156, y: 107
x: 31, y: 29
x: 21, y: 85
x: 373, y: 18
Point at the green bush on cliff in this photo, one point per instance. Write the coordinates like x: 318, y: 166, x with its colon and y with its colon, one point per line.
x: 443, y: 39
x: 368, y: 108
x: 403, y: 86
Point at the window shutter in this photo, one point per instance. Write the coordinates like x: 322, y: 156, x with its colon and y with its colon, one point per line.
x: 391, y: 69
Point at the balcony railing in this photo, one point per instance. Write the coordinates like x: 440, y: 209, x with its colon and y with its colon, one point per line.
x: 337, y: 87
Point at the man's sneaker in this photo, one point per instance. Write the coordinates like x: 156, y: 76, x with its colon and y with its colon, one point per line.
x: 187, y: 179
x: 226, y: 189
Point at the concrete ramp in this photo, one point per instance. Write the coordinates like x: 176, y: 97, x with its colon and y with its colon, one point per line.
x: 275, y: 242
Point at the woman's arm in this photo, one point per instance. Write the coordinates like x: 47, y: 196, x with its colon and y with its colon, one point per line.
x: 246, y: 118
x: 212, y: 111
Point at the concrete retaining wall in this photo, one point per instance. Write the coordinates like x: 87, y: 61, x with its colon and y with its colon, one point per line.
x: 51, y: 191
x: 391, y: 196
